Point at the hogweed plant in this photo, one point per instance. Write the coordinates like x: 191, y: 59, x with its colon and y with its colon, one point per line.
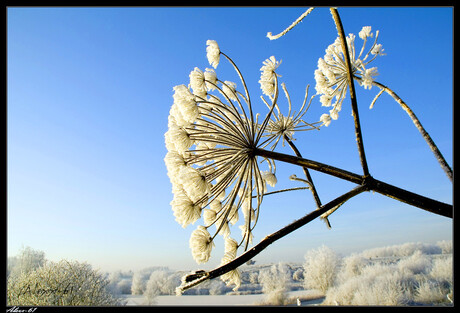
x: 221, y: 155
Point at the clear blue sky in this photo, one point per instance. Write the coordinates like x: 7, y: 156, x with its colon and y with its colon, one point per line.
x: 89, y: 92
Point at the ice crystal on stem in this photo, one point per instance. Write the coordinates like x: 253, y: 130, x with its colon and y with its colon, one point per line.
x: 331, y: 75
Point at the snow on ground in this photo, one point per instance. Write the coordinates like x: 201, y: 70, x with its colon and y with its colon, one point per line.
x: 220, y: 300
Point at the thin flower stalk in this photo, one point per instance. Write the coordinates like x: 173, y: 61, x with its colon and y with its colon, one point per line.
x: 354, y: 104
x: 438, y: 155
x: 282, y: 126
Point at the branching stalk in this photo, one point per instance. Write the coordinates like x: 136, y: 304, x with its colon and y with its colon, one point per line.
x: 383, y: 188
x: 354, y: 104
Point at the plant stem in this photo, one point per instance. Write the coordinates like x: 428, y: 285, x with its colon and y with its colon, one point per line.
x: 306, y: 172
x: 438, y: 155
x: 264, y: 243
x: 354, y: 104
x: 383, y: 188
x: 314, y: 165
x: 283, y: 190
x: 410, y: 198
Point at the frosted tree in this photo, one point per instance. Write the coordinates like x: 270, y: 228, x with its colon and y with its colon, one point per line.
x: 138, y: 283
x: 27, y: 260
x: 160, y: 282
x: 221, y: 157
x: 274, y: 284
x: 320, y: 268
x: 65, y: 283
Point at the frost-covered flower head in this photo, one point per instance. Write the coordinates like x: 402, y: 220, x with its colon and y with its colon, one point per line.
x: 213, y: 53
x: 212, y: 133
x: 197, y: 82
x: 201, y: 244
x: 284, y: 126
x: 267, y: 77
x: 331, y: 75
x: 232, y: 277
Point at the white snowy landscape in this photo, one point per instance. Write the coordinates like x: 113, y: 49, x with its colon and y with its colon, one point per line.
x: 411, y: 274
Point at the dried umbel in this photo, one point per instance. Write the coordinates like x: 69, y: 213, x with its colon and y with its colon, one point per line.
x: 211, y: 138
x: 284, y: 126
x: 331, y: 75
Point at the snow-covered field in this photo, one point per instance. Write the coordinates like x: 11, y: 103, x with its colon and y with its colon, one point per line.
x: 411, y: 274
x: 306, y: 297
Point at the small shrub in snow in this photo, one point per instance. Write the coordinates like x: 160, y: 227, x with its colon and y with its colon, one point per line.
x: 446, y: 246
x: 417, y: 263
x: 376, y: 285
x: 442, y: 269
x: 352, y: 266
x: 386, y: 289
x: 430, y: 292
x: 420, y: 278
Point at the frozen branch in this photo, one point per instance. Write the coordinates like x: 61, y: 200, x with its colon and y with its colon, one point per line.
x: 297, y: 21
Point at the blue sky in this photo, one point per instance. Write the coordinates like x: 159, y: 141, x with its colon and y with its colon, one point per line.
x: 89, y: 93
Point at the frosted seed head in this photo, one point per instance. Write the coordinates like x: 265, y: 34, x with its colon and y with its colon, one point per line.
x: 213, y: 53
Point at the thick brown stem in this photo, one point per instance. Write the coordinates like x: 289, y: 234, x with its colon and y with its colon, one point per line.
x: 314, y: 165
x: 264, y: 243
x: 383, y: 188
